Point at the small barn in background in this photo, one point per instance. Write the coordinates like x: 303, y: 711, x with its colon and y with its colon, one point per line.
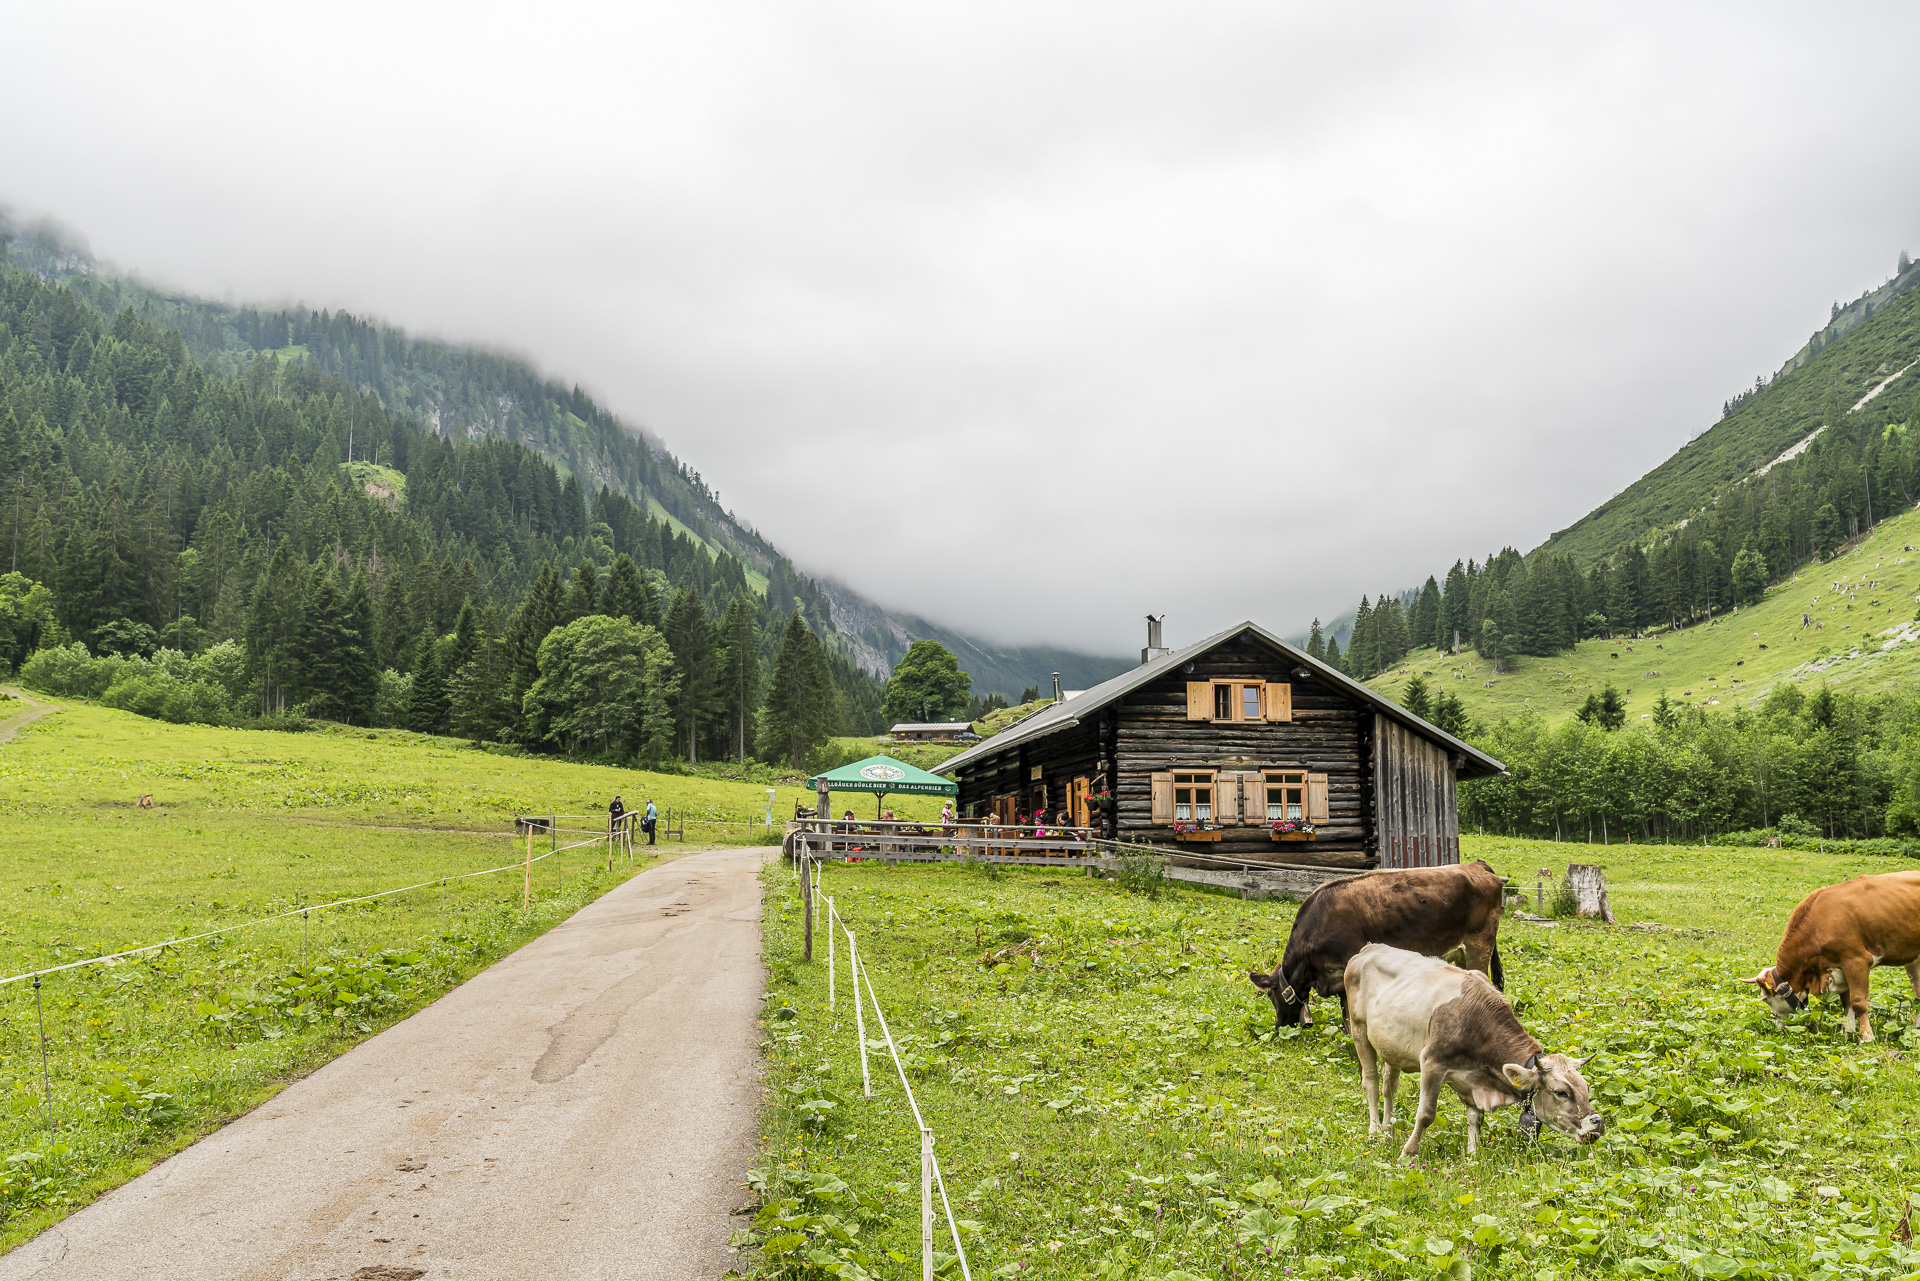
x: 1221, y: 747
x: 933, y: 732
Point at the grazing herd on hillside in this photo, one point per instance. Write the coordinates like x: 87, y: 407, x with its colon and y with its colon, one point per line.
x: 1377, y: 943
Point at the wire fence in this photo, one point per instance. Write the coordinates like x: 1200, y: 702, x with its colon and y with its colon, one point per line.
x: 931, y: 1179
x: 517, y: 866
x: 616, y: 844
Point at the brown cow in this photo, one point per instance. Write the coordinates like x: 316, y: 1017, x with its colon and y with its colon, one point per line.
x: 1434, y: 911
x: 1837, y: 936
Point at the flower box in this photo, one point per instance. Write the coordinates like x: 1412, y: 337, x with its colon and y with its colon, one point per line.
x: 1293, y: 836
x: 1190, y: 837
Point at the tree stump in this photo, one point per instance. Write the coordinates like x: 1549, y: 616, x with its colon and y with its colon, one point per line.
x: 1588, y: 882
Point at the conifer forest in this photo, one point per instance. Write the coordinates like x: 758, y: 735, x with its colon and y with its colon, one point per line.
x: 200, y: 529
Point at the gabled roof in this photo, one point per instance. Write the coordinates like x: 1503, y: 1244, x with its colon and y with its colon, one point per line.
x: 1068, y: 711
x: 909, y: 727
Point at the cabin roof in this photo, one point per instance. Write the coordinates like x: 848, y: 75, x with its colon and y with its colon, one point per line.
x: 908, y: 727
x: 1068, y: 711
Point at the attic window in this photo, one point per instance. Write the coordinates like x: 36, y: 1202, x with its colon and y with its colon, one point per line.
x: 1244, y: 701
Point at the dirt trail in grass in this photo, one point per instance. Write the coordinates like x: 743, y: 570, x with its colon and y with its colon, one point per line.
x: 35, y: 710
x: 584, y: 1108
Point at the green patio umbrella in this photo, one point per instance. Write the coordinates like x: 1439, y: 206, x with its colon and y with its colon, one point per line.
x: 880, y: 775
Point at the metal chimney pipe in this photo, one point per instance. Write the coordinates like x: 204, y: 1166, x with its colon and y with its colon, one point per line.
x: 1155, y: 649
x: 1056, y: 687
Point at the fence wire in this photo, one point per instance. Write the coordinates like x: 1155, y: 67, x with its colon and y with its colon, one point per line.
x: 520, y: 865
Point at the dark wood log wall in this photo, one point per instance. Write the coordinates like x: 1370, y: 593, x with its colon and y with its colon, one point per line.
x: 1418, y: 821
x: 1061, y: 757
x: 1323, y: 737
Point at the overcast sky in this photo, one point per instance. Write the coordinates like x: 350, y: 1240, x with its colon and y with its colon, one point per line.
x: 1036, y: 318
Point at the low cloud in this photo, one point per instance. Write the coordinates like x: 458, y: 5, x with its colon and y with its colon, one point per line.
x: 1036, y: 319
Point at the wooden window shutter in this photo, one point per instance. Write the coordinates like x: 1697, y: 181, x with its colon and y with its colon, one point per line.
x: 1226, y: 797
x: 1256, y: 805
x: 1163, y: 798
x: 1079, y: 802
x: 1199, y: 708
x: 1279, y: 701
x: 1317, y: 798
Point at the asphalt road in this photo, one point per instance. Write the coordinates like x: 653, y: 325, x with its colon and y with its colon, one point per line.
x: 584, y: 1108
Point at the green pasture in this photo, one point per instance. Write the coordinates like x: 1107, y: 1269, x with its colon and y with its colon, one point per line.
x: 146, y: 1055
x: 1107, y: 1101
x: 1866, y: 644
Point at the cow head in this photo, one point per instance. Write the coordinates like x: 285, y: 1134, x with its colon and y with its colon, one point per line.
x: 1289, y: 1002
x: 1558, y: 1094
x: 1780, y: 996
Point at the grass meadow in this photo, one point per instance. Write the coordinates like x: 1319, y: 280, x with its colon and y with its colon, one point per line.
x: 1865, y: 644
x: 1107, y: 1102
x: 148, y: 1054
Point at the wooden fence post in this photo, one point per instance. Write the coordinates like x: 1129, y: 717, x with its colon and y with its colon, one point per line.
x: 526, y: 878
x: 806, y: 898
x: 926, y: 1204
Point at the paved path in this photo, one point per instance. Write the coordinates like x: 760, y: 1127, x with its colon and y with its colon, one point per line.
x: 34, y: 711
x: 585, y: 1108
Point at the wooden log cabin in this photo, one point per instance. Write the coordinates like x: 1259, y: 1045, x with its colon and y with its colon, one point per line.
x: 1203, y: 750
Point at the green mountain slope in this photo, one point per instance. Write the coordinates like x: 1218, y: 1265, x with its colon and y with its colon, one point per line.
x: 464, y: 392
x: 1866, y: 350
x: 1867, y: 639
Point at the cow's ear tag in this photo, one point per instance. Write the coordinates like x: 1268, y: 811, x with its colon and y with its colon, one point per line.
x: 1519, y: 1077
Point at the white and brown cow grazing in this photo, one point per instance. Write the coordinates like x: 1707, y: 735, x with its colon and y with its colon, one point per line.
x: 1835, y: 938
x: 1420, y: 1014
x: 1436, y: 911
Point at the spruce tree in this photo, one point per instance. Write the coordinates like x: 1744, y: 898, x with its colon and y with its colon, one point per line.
x: 739, y: 668
x: 1335, y: 659
x: 799, y: 698
x: 1425, y: 623
x: 427, y: 700
x: 1360, y: 648
x: 1749, y: 576
x: 1417, y: 698
x: 538, y: 614
x: 272, y: 628
x: 323, y: 648
x: 358, y: 675
x: 1316, y: 643
x: 477, y: 704
x: 627, y: 594
x: 1456, y: 620
x: 690, y: 636
x: 583, y: 596
x: 466, y: 638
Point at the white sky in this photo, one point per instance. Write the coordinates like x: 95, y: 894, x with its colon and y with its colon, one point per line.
x: 1217, y: 310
